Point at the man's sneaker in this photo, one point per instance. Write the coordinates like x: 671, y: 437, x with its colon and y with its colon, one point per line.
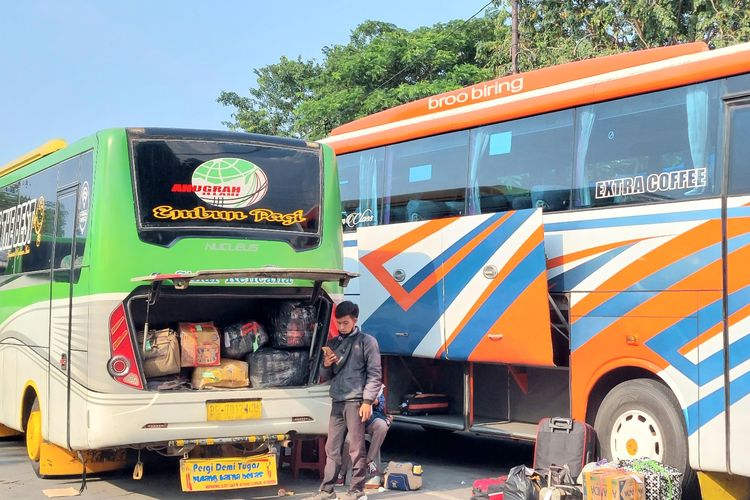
x: 323, y: 495
x: 372, y: 469
x: 340, y: 480
x: 374, y: 482
x: 353, y: 495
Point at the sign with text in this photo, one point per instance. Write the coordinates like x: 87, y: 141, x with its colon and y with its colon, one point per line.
x: 228, y: 473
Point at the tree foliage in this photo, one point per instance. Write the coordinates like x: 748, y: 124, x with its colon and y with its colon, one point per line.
x: 558, y: 31
x: 383, y: 65
x: 380, y: 67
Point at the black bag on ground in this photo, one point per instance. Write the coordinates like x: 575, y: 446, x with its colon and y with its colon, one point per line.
x: 278, y: 368
x: 522, y: 484
x: 564, y: 441
x: 425, y: 404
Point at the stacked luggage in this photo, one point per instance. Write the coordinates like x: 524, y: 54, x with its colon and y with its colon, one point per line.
x: 243, y: 354
x: 566, y: 468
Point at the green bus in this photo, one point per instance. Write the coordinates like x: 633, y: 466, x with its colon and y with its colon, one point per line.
x: 222, y: 227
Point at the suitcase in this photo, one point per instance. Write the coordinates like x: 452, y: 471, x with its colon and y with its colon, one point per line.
x: 564, y: 441
x: 488, y: 496
x: 425, y: 404
x: 488, y: 485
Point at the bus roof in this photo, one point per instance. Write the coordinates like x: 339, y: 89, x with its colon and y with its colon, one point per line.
x: 544, y: 90
x: 40, y: 152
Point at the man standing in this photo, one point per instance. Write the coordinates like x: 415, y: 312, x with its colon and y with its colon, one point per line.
x: 352, y: 362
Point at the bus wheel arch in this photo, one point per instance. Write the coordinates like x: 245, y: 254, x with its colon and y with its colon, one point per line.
x: 31, y: 421
x: 29, y: 397
x: 609, y: 381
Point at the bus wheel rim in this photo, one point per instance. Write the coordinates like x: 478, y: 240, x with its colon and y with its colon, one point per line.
x: 636, y: 434
x: 34, y: 435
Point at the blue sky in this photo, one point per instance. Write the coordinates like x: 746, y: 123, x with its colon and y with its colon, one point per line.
x: 69, y: 68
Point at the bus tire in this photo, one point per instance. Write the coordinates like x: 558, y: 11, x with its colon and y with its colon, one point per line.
x: 642, y: 417
x: 34, y: 437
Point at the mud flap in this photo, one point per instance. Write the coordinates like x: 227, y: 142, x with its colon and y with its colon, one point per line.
x: 56, y: 461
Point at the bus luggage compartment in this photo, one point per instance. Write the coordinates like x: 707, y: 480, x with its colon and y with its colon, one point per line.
x: 277, y: 332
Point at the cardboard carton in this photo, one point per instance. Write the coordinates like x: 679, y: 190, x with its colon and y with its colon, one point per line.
x: 200, y: 344
x: 612, y: 484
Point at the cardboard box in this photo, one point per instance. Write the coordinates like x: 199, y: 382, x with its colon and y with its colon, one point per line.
x: 200, y: 345
x: 231, y: 373
x: 612, y: 484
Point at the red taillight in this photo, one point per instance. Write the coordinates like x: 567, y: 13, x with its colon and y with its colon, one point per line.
x: 122, y: 366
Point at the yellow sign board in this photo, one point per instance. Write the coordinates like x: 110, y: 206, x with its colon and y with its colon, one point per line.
x: 233, y: 410
x: 228, y: 473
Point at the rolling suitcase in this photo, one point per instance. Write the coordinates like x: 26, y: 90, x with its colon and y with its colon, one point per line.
x: 564, y: 441
x: 425, y: 404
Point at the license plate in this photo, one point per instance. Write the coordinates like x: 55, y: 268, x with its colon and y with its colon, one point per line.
x: 233, y: 410
x: 208, y: 474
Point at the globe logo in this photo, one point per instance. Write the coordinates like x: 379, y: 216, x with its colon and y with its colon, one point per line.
x: 230, y: 182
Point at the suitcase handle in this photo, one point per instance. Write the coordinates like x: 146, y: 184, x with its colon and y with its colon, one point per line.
x: 561, y: 424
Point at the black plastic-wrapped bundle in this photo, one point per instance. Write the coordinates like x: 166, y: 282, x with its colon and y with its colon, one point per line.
x: 292, y: 325
x: 278, y: 368
x: 239, y: 339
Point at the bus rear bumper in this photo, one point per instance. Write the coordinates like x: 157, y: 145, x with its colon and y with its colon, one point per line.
x: 162, y: 419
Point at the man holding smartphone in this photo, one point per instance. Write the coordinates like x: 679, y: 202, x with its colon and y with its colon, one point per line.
x: 352, y: 363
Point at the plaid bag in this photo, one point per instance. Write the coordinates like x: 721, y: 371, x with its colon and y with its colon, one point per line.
x: 662, y: 482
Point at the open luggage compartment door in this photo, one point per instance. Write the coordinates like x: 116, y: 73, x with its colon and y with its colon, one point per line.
x: 318, y: 276
x: 481, y: 281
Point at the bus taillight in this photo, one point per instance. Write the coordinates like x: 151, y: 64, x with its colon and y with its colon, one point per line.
x: 122, y: 366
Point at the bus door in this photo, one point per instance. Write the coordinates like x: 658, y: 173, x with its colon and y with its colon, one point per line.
x: 736, y: 399
x: 61, y: 310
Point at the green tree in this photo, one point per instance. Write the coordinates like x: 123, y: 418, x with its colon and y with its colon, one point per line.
x: 559, y: 31
x: 384, y: 65
x: 380, y: 67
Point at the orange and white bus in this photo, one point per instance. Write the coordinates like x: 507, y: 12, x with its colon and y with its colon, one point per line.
x: 572, y: 240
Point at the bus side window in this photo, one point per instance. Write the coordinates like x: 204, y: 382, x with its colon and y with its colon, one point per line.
x: 427, y: 178
x: 521, y: 164
x: 40, y: 189
x: 361, y: 182
x: 648, y: 148
x: 8, y: 200
x: 739, y: 149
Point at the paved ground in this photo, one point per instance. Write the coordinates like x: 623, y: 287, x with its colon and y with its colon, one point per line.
x: 451, y: 462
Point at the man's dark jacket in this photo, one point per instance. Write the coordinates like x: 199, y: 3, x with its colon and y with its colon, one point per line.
x: 357, y: 376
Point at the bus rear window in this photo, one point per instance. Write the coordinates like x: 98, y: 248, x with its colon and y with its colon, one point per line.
x: 230, y: 189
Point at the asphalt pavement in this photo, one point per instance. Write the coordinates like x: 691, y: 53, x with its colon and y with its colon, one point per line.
x: 451, y: 462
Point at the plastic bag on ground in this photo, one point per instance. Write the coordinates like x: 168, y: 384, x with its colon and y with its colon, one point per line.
x: 522, y: 484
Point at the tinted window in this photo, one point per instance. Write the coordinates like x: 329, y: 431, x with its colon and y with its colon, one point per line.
x: 739, y: 150
x: 426, y: 178
x: 652, y: 147
x: 522, y: 164
x: 10, y: 242
x: 361, y: 179
x: 65, y: 228
x: 738, y: 84
x: 190, y: 187
x: 40, y: 190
